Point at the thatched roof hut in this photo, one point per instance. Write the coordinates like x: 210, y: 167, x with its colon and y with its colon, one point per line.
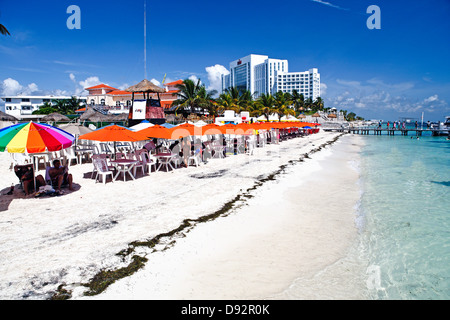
x: 7, y: 117
x: 332, y: 115
x: 55, y: 117
x: 95, y: 116
x: 145, y: 86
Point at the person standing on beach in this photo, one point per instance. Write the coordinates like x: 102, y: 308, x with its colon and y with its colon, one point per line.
x: 186, y: 148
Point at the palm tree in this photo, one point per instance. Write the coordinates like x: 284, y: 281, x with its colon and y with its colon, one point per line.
x: 192, y: 96
x: 309, y: 103
x: 318, y: 104
x: 72, y: 105
x: 229, y: 99
x: 60, y: 105
x: 265, y: 104
x: 46, y: 108
x: 283, y: 104
x: 214, y: 109
x: 298, y: 100
x: 236, y: 100
x: 351, y: 116
x: 4, y: 31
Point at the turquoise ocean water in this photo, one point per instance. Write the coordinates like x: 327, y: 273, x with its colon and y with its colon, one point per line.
x: 404, y: 217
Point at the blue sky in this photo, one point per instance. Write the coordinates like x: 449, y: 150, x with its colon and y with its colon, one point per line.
x: 400, y: 70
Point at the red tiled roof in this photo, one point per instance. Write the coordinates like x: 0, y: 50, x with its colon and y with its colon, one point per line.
x: 100, y: 86
x: 166, y: 104
x: 119, y: 93
x: 81, y: 110
x: 174, y: 83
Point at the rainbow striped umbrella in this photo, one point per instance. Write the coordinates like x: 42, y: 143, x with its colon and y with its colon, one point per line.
x: 34, y: 137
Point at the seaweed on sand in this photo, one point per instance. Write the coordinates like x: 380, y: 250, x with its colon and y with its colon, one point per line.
x: 104, y: 278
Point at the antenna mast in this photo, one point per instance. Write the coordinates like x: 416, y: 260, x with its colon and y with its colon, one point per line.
x: 145, y: 39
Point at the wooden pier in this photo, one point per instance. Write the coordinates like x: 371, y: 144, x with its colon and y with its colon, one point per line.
x: 391, y: 132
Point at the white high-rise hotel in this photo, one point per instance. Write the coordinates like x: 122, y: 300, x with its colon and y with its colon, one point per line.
x: 260, y: 74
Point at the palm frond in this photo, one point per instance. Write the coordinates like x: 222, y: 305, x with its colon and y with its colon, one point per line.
x: 4, y: 31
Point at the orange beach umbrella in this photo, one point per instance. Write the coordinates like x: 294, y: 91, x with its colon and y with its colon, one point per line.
x: 161, y: 132
x: 113, y: 133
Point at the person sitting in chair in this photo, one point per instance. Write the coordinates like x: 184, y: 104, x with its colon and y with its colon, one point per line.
x: 26, y: 176
x: 60, y: 176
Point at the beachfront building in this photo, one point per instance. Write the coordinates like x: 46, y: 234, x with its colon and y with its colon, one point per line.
x: 22, y: 107
x: 117, y: 101
x: 260, y: 74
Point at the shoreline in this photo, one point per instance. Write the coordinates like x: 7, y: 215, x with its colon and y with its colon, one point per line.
x: 212, y: 185
x: 217, y: 266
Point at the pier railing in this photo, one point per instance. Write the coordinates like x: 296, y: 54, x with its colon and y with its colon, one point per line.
x: 392, y: 131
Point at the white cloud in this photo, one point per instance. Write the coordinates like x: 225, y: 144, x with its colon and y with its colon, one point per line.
x: 349, y: 83
x: 124, y: 86
x: 380, y: 101
x: 88, y: 82
x: 11, y: 87
x: 155, y: 82
x: 329, y: 4
x: 169, y: 80
x: 215, y: 76
x: 194, y: 78
x: 432, y: 98
x: 323, y: 89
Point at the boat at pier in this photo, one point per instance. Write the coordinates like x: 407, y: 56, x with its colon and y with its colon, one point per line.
x: 442, y: 128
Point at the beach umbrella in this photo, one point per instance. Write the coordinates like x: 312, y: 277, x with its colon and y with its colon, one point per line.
x: 75, y: 129
x: 55, y: 116
x: 212, y: 129
x: 186, y: 129
x: 114, y: 133
x: 143, y: 125
x: 289, y: 118
x: 332, y: 115
x: 200, y: 123
x: 34, y: 137
x: 161, y: 132
x: 168, y: 125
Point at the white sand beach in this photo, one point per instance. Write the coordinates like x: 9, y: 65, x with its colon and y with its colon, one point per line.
x: 298, y: 222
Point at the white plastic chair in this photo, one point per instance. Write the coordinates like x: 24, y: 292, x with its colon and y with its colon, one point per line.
x: 100, y: 156
x: 195, y: 158
x: 149, y: 160
x: 102, y: 169
x: 19, y: 159
x: 141, y: 162
x: 70, y: 155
